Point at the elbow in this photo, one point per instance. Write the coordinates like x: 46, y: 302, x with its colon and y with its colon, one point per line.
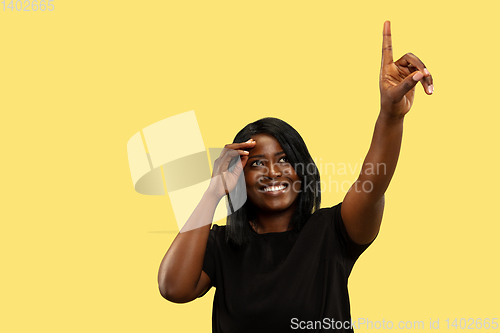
x: 173, y: 295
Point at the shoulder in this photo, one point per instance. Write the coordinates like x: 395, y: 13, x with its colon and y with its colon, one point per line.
x: 332, y: 217
x: 328, y: 214
x: 217, y: 234
x: 324, y: 221
x: 218, y: 229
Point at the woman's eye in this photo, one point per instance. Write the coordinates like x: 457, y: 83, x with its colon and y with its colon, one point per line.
x: 257, y: 163
x: 283, y: 160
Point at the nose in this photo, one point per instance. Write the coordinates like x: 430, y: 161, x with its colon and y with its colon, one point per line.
x: 274, y: 171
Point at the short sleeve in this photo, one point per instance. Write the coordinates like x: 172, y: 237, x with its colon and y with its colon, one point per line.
x: 353, y: 249
x: 210, y: 255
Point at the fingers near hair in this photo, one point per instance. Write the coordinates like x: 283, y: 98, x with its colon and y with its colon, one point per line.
x: 244, y: 160
x: 387, y: 44
x: 248, y: 144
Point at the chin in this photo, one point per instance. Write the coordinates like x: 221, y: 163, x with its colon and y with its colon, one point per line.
x: 278, y: 207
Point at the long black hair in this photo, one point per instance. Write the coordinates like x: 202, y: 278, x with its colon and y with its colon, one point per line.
x: 238, y: 230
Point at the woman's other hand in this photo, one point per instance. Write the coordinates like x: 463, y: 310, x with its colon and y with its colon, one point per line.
x: 398, y: 79
x: 224, y: 181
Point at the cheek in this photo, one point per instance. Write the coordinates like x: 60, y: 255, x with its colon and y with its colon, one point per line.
x: 296, y: 186
x: 251, y: 179
x: 290, y: 172
x: 297, y: 183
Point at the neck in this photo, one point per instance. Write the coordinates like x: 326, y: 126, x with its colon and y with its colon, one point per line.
x: 273, y: 221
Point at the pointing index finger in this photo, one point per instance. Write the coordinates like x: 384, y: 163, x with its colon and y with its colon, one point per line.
x: 387, y: 44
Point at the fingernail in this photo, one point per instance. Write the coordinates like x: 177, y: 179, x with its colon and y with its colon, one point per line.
x: 249, y: 141
x: 426, y: 71
x: 418, y: 76
x: 431, y: 89
x: 245, y: 152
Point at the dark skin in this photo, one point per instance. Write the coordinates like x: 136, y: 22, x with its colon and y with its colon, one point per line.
x: 362, y: 210
x: 180, y: 276
x: 266, y: 169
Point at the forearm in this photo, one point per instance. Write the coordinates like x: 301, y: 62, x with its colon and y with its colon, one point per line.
x: 363, y: 205
x: 381, y: 159
x: 181, y: 267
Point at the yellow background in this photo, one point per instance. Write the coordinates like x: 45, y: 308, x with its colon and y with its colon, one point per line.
x: 81, y: 249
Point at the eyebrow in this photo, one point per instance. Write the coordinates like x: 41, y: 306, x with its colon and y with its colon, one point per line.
x: 277, y: 154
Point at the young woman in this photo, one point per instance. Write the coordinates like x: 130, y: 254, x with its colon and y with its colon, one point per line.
x: 281, y: 263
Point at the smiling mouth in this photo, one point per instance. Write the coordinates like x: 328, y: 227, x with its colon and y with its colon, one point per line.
x: 274, y: 188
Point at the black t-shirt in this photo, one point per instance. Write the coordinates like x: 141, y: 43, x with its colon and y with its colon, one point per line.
x: 283, y: 281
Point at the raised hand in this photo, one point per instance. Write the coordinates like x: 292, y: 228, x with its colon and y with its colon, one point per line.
x: 224, y: 181
x: 398, y: 79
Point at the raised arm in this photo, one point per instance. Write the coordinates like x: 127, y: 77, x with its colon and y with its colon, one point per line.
x: 180, y: 276
x: 363, y: 204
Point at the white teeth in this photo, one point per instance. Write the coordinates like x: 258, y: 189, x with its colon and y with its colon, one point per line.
x: 274, y: 188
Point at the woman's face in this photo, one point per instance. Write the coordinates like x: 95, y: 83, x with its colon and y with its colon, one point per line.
x: 272, y: 184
